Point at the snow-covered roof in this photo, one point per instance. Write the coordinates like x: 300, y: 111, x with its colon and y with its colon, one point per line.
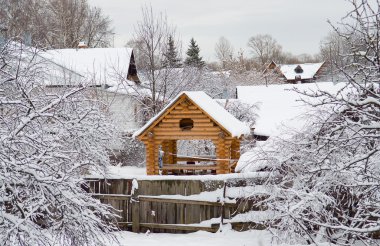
x: 280, y: 106
x: 308, y: 70
x: 129, y: 87
x: 100, y: 64
x: 221, y: 116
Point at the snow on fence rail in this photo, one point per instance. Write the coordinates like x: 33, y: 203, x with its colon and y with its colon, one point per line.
x: 176, y: 205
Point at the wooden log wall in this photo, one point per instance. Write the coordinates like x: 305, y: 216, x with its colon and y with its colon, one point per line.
x: 168, y: 131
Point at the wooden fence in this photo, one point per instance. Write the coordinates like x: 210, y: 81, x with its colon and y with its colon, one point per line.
x: 156, y: 207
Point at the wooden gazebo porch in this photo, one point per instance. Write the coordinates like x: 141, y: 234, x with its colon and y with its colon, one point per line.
x: 192, y: 116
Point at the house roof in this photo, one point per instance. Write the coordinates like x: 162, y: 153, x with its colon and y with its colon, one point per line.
x: 53, y: 73
x: 217, y: 113
x: 309, y: 70
x: 100, y: 64
x: 280, y: 106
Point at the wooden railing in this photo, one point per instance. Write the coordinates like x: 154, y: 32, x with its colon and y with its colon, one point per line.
x: 188, y: 167
x: 198, y: 163
x: 197, y: 158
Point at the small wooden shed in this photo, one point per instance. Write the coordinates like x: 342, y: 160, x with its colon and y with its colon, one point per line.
x: 192, y: 115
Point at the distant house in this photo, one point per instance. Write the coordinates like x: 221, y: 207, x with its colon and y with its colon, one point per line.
x: 297, y: 73
x: 280, y: 106
x: 110, y: 71
x: 103, y: 66
x: 111, y: 75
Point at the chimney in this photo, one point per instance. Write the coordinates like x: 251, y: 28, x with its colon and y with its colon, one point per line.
x: 82, y: 45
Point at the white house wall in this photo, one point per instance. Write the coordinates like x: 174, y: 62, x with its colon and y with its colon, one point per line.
x: 123, y: 109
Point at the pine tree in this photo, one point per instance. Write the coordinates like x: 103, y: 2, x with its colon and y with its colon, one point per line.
x: 171, y: 55
x: 193, y: 58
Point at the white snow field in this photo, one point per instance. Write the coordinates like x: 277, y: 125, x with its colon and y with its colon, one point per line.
x: 226, y: 237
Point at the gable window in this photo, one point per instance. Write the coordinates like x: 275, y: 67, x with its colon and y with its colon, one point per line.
x: 186, y: 124
x: 298, y: 69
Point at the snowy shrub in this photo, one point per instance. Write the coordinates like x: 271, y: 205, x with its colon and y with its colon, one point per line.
x: 327, y: 177
x: 244, y: 112
x: 133, y: 151
x: 196, y: 148
x: 49, y: 138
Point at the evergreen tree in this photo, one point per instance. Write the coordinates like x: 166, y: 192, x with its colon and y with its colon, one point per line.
x: 171, y: 55
x: 193, y: 58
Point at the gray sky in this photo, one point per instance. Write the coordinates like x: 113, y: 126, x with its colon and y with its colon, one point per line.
x: 298, y: 25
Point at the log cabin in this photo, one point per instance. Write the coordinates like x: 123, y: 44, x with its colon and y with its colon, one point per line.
x: 192, y: 115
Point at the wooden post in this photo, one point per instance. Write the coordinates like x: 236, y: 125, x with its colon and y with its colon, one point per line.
x: 135, y: 211
x: 170, y: 151
x: 155, y: 156
x: 166, y: 157
x: 222, y: 206
x: 235, y: 152
x: 174, y: 151
x: 235, y: 149
x: 166, y: 149
x: 149, y: 150
x: 221, y: 154
x: 152, y: 154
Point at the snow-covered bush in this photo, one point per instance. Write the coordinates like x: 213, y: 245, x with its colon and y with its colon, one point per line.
x: 133, y: 151
x: 195, y: 148
x: 327, y: 177
x: 244, y: 112
x: 48, y: 139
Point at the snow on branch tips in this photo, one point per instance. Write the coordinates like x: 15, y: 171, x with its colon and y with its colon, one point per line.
x: 327, y: 176
x: 49, y: 138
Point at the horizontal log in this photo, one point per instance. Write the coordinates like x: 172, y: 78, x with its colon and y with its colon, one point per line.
x: 186, y: 133
x: 177, y: 120
x: 189, y: 167
x: 167, y: 124
x: 182, y: 116
x: 170, y: 120
x: 178, y: 227
x: 195, y: 158
x: 189, y: 107
x: 194, y: 129
x: 184, y: 201
x: 182, y: 137
x: 201, y: 124
x: 196, y: 125
x: 189, y: 113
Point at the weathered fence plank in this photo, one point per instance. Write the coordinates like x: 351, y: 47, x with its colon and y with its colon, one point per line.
x: 135, y: 212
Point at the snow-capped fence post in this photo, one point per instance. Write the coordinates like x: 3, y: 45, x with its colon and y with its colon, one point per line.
x: 222, y: 200
x: 135, y: 207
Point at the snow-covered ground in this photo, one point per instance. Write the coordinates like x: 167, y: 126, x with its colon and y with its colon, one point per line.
x: 130, y: 172
x: 226, y: 237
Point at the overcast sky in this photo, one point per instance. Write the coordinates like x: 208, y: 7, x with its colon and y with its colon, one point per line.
x: 298, y: 25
